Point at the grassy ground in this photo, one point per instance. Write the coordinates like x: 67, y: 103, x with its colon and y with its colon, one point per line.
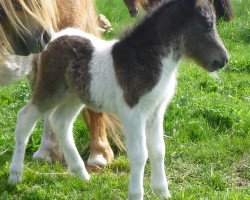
x: 207, y: 131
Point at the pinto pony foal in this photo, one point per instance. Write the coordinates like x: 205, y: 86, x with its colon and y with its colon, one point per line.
x: 133, y: 78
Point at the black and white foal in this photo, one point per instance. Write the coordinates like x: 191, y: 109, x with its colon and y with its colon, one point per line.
x: 133, y: 78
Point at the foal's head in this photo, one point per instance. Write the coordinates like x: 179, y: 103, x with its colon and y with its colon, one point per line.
x: 202, y: 42
x: 24, y: 24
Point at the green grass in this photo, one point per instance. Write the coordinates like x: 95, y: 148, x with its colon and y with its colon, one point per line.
x: 207, y: 129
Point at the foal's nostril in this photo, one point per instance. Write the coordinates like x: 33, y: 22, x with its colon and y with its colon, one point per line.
x: 217, y: 64
x: 226, y: 59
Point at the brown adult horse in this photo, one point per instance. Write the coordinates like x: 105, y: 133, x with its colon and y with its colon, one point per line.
x: 24, y: 28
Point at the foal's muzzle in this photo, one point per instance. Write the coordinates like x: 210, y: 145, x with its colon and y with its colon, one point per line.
x: 219, y: 63
x: 220, y: 59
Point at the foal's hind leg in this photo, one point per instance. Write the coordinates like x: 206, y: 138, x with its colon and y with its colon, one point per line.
x: 100, y: 150
x: 156, y: 153
x: 26, y: 121
x: 62, y: 120
x: 49, y: 150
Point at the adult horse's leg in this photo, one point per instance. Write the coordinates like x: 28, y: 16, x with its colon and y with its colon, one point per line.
x: 132, y: 6
x: 100, y: 150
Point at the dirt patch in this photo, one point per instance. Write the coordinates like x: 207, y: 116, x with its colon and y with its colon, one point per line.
x: 241, y: 171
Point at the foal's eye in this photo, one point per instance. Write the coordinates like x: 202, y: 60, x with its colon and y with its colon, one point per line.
x: 209, y: 26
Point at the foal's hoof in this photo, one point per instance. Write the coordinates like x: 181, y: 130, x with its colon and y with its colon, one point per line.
x: 49, y: 156
x: 42, y: 156
x: 82, y: 174
x: 162, y: 193
x: 14, y: 178
x: 135, y: 196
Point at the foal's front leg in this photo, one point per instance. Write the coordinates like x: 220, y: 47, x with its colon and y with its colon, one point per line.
x: 156, y: 153
x: 135, y: 142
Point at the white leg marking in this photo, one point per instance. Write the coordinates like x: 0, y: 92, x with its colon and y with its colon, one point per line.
x: 96, y: 160
x: 49, y: 149
x: 134, y: 130
x: 26, y: 121
x: 156, y: 153
x: 62, y: 120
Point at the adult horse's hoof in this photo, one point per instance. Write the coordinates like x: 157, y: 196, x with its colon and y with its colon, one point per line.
x: 96, y: 160
x: 101, y: 153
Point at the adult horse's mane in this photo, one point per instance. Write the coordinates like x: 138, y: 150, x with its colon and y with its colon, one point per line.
x: 43, y: 11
